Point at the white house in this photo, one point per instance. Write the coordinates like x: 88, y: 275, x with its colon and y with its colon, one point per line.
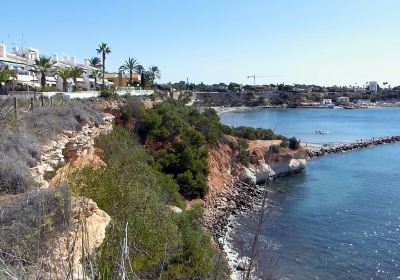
x: 326, y: 101
x: 342, y: 100
x: 23, y: 60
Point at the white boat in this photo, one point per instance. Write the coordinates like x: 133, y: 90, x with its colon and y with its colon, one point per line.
x: 321, y: 132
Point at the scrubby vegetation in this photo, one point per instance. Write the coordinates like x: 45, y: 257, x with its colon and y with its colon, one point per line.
x: 161, y: 244
x: 138, y: 189
x: 178, y: 138
x: 294, y: 144
x: 20, y: 140
x: 107, y: 93
x: 29, y: 222
x: 240, y: 148
x: 251, y: 133
x: 275, y: 149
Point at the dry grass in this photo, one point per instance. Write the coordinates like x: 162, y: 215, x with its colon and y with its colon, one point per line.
x: 27, y: 223
x: 20, y: 140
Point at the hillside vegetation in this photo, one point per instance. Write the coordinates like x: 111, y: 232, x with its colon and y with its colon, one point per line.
x: 162, y: 244
x: 150, y: 170
x: 178, y: 138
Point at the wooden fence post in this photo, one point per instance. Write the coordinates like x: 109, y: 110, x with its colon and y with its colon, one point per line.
x: 62, y: 100
x: 51, y: 101
x: 41, y: 99
x: 15, y: 107
x: 31, y: 104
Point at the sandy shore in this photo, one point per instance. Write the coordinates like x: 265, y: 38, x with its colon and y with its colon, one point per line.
x: 224, y: 110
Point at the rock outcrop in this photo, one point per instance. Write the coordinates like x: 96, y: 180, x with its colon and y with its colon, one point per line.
x: 266, y: 163
x: 68, y: 146
x: 87, y: 226
x: 232, y: 186
x: 86, y: 233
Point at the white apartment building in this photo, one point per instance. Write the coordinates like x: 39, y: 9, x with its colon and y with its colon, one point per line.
x: 373, y: 86
x: 20, y: 60
x: 23, y: 60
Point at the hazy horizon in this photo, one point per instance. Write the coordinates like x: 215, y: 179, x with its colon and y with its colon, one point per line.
x: 303, y: 42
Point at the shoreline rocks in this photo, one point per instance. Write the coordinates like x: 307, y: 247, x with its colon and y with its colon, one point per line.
x: 341, y: 148
x: 234, y: 187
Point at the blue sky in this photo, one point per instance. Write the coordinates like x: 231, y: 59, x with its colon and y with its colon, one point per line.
x: 323, y: 42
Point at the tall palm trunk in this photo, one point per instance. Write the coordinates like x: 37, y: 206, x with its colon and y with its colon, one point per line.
x: 130, y: 77
x: 43, y: 80
x: 104, y: 67
x: 65, y: 85
x: 95, y: 83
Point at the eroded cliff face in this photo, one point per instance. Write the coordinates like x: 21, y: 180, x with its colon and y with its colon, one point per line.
x: 69, y: 152
x: 265, y: 163
x: 232, y: 185
x: 87, y: 228
x: 69, y: 146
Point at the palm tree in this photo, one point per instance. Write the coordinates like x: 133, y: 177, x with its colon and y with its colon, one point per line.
x: 4, y: 76
x: 44, y: 66
x: 146, y: 78
x: 13, y: 74
x: 139, y: 69
x: 103, y: 49
x: 130, y: 65
x: 95, y: 62
x: 94, y: 75
x: 76, y: 72
x: 64, y: 74
x: 155, y: 71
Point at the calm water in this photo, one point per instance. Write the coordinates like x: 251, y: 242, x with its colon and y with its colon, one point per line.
x: 342, y: 125
x: 341, y: 218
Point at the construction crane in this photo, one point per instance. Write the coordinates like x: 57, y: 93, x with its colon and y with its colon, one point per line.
x: 254, y: 76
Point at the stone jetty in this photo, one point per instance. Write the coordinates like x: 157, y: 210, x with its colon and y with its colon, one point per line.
x: 342, y: 148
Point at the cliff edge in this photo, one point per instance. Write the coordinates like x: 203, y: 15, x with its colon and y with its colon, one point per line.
x: 232, y: 185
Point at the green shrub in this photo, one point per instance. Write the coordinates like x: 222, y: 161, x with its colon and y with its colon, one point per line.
x: 294, y: 144
x: 251, y: 133
x: 136, y: 195
x: 49, y: 89
x: 240, y: 148
x: 284, y: 144
x: 107, y: 93
x: 275, y: 149
x: 178, y: 138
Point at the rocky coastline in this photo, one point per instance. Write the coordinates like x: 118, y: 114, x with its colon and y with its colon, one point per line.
x: 234, y: 188
x: 322, y: 150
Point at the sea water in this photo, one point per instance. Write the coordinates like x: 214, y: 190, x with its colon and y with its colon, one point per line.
x: 340, y: 219
x: 342, y: 125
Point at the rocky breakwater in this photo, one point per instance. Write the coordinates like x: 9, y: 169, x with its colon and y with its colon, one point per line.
x: 233, y: 187
x: 318, y: 151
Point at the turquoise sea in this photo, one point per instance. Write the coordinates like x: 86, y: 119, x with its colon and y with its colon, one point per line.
x: 342, y: 125
x: 341, y: 218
